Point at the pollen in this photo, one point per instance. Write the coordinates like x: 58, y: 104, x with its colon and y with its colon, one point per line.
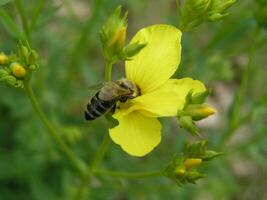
x: 18, y: 70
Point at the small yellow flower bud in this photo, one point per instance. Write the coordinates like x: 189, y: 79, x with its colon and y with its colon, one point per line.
x: 207, y: 111
x: 199, y: 111
x: 192, y: 162
x: 18, y: 70
x: 180, y: 170
x: 119, y: 38
x: 3, y: 58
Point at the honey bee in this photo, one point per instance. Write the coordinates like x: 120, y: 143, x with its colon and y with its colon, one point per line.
x: 107, y: 97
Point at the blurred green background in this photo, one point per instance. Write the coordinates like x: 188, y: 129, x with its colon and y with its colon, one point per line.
x: 228, y: 56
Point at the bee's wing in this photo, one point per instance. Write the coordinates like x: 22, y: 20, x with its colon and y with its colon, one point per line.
x: 93, y: 89
x: 112, y: 91
x: 108, y: 86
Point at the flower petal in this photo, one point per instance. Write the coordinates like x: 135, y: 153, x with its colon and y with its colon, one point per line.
x: 165, y: 101
x: 136, y: 133
x: 158, y: 61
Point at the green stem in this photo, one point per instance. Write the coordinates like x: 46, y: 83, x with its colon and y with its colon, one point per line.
x: 108, y: 70
x: 101, y: 152
x: 129, y: 174
x: 106, y: 141
x: 23, y: 19
x: 78, y: 164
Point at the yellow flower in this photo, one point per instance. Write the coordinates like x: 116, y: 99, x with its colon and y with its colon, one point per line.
x: 139, y: 130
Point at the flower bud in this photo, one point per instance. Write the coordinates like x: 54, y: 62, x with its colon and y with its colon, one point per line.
x: 209, y: 155
x: 118, y: 39
x: 199, y: 111
x: 192, y: 162
x: 218, y: 9
x: 195, y: 12
x: 113, y: 34
x: 3, y: 58
x: 216, y: 17
x: 187, y: 123
x: 201, y: 6
x: 11, y: 80
x: 180, y: 170
x: 18, y: 70
x: 33, y: 67
x: 3, y: 73
x: 32, y: 58
x: 193, y: 176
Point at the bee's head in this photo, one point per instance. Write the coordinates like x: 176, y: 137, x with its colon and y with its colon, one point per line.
x: 132, y: 88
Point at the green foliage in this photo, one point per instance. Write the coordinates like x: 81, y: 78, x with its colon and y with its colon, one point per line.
x: 194, y: 109
x: 229, y: 56
x: 18, y: 68
x: 3, y: 2
x: 195, y: 12
x: 182, y: 169
x: 113, y: 35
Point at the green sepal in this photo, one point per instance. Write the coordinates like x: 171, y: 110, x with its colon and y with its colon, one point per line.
x: 187, y: 123
x: 112, y: 122
x: 200, y: 97
x: 32, y: 57
x: 131, y: 50
x: 193, y: 176
x: 210, y: 155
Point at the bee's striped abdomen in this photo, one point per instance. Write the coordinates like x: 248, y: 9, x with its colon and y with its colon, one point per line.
x: 97, y: 107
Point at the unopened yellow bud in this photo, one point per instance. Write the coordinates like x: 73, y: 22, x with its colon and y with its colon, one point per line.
x: 207, y: 111
x: 199, y: 111
x: 192, y: 162
x: 18, y: 70
x: 3, y: 58
x: 180, y: 170
x: 119, y: 38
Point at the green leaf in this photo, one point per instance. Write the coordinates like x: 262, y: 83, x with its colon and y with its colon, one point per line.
x: 9, y: 24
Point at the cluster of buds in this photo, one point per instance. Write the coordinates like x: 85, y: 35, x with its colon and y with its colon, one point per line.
x: 113, y: 36
x: 261, y: 13
x: 195, y: 12
x: 17, y: 68
x: 183, y: 169
x: 194, y: 110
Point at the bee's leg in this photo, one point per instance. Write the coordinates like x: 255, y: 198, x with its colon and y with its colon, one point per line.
x: 113, y: 109
x: 123, y: 99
